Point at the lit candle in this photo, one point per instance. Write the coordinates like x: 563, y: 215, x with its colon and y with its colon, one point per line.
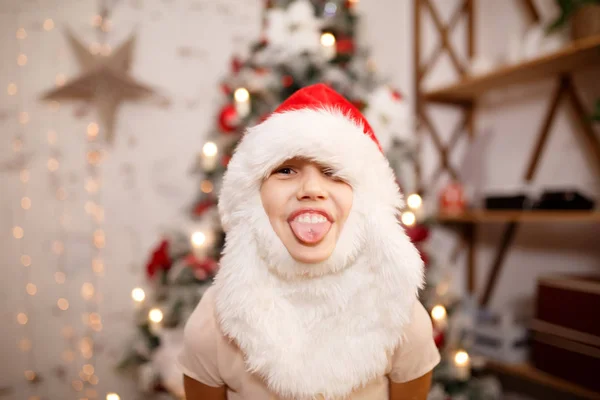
x: 242, y: 102
x: 209, y: 156
x: 440, y: 317
x: 138, y: 297
x: 462, y: 365
x: 328, y: 46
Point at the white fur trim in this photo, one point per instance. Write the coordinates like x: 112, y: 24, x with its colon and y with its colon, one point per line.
x: 324, y: 329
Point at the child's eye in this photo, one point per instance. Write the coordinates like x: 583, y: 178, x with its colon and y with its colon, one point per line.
x: 328, y: 172
x: 284, y: 171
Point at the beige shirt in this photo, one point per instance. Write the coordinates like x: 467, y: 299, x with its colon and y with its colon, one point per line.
x: 210, y: 358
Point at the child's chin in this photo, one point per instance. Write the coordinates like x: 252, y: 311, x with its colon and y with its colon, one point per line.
x: 311, y: 255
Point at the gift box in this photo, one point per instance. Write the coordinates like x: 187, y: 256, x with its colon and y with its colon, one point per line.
x: 566, y: 330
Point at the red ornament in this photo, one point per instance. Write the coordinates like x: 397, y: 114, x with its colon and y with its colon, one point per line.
x: 236, y: 65
x: 202, y: 268
x: 202, y: 207
x: 160, y: 259
x: 228, y: 119
x: 438, y: 338
x: 287, y: 81
x: 452, y: 199
x: 344, y: 46
x: 417, y: 233
x: 396, y: 95
x: 349, y: 4
x: 226, y: 89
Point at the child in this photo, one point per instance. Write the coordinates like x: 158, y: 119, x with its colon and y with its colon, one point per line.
x: 316, y: 296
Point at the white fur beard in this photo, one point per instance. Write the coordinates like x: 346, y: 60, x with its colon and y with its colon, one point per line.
x: 324, y: 329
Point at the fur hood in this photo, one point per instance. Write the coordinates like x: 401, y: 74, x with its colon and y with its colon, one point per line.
x: 325, y: 329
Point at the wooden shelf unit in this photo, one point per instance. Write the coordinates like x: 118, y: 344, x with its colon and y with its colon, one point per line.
x: 488, y: 216
x: 530, y: 373
x: 464, y: 95
x: 573, y: 57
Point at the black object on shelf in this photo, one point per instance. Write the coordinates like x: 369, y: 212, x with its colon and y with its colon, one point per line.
x: 514, y: 202
x: 564, y: 200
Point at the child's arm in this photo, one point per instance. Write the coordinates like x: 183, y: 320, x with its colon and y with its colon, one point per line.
x: 417, y: 389
x: 413, y: 362
x: 195, y: 390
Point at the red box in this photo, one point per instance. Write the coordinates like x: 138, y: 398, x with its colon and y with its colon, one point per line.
x: 566, y: 330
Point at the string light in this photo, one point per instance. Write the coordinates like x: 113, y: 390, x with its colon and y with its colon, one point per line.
x: 461, y: 358
x: 155, y: 315
x: 21, y: 60
x: 209, y: 149
x: 48, y: 24
x: 53, y: 164
x: 18, y: 232
x: 22, y: 318
x: 414, y: 201
x: 92, y: 130
x: 87, y: 291
x: 31, y: 289
x: 63, y: 304
x: 198, y: 239
x: 25, y: 260
x: 138, y: 295
x: 113, y: 396
x: 438, y: 312
x: 21, y: 34
x: 328, y: 45
x: 77, y: 385
x: 25, y: 203
x: 241, y: 95
x: 327, y: 39
x: 408, y: 218
x: 11, y: 89
x: 206, y: 186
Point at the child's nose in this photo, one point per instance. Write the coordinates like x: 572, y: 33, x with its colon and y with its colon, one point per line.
x: 312, y: 187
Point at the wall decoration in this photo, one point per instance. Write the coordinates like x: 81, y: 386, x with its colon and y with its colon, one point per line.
x: 104, y: 81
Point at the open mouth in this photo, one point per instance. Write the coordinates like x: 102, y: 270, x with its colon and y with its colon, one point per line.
x: 310, y: 226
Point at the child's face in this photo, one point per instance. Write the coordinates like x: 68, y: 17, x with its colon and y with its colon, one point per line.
x: 307, y: 208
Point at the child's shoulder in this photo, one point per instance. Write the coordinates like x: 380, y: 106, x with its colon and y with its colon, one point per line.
x: 417, y: 353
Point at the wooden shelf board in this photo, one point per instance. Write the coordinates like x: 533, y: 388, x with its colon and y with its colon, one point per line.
x: 483, y: 216
x: 576, y: 55
x: 529, y: 372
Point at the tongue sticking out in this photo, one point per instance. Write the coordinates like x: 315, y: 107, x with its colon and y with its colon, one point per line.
x: 310, y: 232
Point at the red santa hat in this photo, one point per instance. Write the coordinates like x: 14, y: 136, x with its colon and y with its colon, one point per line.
x: 321, y: 96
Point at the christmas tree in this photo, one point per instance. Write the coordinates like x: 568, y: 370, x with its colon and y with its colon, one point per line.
x: 303, y: 42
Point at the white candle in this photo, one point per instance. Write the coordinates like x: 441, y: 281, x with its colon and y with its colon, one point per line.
x: 440, y: 317
x: 462, y: 365
x: 242, y: 102
x: 209, y: 156
x: 328, y: 46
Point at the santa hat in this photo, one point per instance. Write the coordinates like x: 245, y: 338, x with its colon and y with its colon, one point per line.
x: 316, y: 123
